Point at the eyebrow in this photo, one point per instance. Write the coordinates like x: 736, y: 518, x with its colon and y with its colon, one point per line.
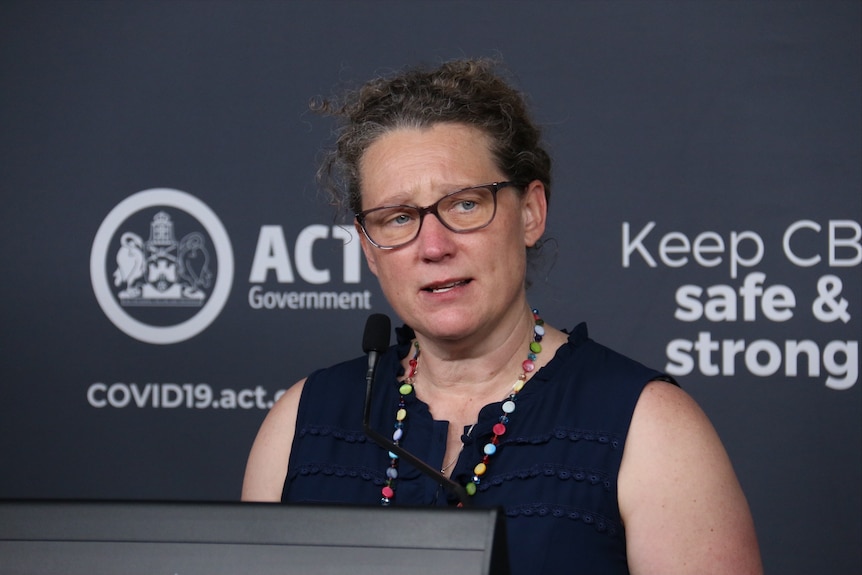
x: 401, y: 198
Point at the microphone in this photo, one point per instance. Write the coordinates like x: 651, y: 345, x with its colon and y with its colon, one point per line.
x: 374, y: 342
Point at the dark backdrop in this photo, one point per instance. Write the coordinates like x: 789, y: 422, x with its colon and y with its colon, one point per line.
x: 705, y: 215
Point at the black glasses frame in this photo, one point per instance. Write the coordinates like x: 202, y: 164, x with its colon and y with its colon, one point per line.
x: 493, y: 187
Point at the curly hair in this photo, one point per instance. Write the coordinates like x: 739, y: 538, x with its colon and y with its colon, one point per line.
x: 468, y: 91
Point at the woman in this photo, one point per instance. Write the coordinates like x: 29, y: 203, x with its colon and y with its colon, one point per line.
x: 602, y: 465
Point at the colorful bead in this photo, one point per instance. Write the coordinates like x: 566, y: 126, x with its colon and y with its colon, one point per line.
x: 406, y: 388
x: 499, y: 429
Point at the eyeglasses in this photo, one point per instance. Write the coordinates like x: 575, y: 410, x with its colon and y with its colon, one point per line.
x: 466, y: 210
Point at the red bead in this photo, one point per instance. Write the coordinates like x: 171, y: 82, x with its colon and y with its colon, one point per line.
x: 387, y: 492
x: 499, y: 429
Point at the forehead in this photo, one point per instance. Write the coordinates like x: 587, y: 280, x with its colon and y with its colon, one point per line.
x: 409, y: 164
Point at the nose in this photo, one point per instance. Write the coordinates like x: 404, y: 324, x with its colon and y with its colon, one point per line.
x: 435, y: 241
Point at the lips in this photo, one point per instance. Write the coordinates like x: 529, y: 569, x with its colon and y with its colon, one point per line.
x: 444, y: 287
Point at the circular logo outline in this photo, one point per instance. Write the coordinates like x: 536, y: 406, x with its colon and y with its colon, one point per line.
x: 224, y: 279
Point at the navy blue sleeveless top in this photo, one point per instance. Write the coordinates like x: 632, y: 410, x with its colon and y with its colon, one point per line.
x: 554, y: 472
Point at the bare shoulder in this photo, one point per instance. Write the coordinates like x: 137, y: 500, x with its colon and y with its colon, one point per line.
x: 683, y: 508
x: 266, y: 468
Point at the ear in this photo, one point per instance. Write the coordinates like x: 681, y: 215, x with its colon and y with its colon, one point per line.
x: 369, y: 250
x: 534, y: 206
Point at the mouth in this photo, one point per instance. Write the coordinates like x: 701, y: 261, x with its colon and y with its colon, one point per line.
x: 445, y: 287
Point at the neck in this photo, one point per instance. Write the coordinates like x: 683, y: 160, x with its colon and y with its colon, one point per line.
x: 486, y: 368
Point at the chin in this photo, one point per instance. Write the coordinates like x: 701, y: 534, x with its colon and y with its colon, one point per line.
x: 452, y: 325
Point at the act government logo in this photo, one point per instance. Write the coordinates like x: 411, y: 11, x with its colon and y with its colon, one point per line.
x: 161, y: 266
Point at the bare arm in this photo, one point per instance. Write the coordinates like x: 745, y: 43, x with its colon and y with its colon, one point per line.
x: 266, y: 468
x: 682, y: 506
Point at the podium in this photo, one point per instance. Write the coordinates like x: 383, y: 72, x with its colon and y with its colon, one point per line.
x: 131, y: 538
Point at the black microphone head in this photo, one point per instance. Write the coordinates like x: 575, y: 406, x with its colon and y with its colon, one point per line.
x: 376, y: 337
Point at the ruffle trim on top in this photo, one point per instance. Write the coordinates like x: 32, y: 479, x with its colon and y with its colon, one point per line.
x: 334, y: 470
x: 600, y: 523
x: 348, y: 435
x: 561, y: 472
x: 604, y: 438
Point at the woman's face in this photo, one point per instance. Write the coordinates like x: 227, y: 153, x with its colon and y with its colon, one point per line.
x: 449, y: 285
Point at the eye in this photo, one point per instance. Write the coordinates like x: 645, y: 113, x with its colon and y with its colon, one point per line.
x: 466, y: 201
x: 395, y: 217
x: 466, y: 205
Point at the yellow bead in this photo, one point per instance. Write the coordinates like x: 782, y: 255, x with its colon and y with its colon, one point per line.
x: 480, y: 469
x: 402, y: 413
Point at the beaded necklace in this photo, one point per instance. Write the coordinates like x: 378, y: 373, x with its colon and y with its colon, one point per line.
x: 499, y: 429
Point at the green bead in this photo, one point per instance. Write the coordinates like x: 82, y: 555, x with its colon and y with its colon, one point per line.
x: 471, y: 488
x: 405, y: 389
x: 535, y: 347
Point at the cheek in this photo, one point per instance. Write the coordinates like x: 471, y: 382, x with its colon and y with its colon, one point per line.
x: 516, y: 260
x: 369, y: 251
x: 390, y: 272
x: 505, y: 257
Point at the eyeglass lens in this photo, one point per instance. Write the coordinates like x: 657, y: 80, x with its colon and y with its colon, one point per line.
x: 461, y: 211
